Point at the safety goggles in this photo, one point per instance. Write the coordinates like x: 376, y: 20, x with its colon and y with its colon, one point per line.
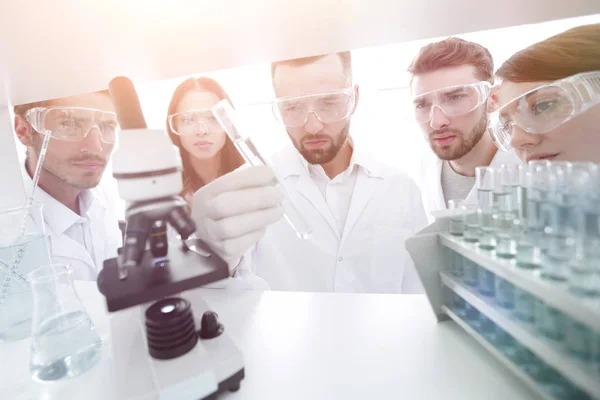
x: 328, y: 107
x: 452, y: 100
x: 194, y: 122
x: 73, y: 124
x: 546, y: 107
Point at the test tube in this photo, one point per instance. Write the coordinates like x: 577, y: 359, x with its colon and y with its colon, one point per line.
x: 505, y: 184
x: 537, y: 196
x: 471, y: 230
x: 560, y: 229
x: 485, y: 198
x: 584, y: 278
x: 549, y: 321
x: 527, y: 251
x: 225, y: 114
x: 457, y: 218
x: 505, y: 294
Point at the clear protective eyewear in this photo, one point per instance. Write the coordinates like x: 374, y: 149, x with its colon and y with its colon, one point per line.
x: 194, y: 122
x: 546, y: 107
x: 328, y: 107
x: 73, y: 124
x: 452, y: 100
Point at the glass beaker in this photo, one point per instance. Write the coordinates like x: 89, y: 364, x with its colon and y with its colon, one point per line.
x: 64, y: 340
x: 23, y: 248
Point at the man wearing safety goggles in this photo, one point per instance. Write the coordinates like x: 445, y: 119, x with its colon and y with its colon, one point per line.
x: 79, y: 214
x: 360, y: 212
x: 450, y: 86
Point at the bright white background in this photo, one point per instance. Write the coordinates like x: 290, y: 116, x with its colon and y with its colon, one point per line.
x: 383, y: 121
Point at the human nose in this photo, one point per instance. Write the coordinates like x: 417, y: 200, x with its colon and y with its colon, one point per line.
x: 92, y: 142
x: 520, y: 139
x: 313, y: 124
x: 438, y: 119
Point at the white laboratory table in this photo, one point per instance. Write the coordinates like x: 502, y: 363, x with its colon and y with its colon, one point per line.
x: 311, y: 346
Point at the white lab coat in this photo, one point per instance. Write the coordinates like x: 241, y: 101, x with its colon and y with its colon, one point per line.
x: 105, y: 233
x: 369, y: 256
x: 430, y: 181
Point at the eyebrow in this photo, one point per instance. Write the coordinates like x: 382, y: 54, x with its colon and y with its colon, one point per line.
x: 454, y: 91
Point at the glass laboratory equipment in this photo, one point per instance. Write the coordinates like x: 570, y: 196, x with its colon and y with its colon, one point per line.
x: 505, y: 182
x: 226, y: 116
x: 23, y: 248
x: 578, y: 339
x: 584, y: 276
x: 470, y: 273
x: 561, y: 226
x: 64, y: 340
x: 457, y: 218
x: 537, y: 212
x: 505, y: 293
x: 486, y: 284
x: 525, y: 305
x: 485, y: 205
x: 457, y: 270
x: 527, y: 226
x: 471, y: 231
x: 549, y: 321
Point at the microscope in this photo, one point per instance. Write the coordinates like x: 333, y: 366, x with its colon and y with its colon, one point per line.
x: 159, y: 347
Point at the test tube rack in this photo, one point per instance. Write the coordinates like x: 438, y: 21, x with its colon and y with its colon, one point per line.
x: 433, y: 251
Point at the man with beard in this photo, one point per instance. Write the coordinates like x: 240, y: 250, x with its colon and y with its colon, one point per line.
x: 450, y: 85
x: 80, y: 220
x: 360, y: 212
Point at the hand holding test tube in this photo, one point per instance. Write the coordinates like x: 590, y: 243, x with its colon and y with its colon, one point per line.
x: 225, y: 114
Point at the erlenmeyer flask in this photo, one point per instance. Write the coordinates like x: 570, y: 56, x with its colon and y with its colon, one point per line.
x: 64, y: 341
x: 23, y: 248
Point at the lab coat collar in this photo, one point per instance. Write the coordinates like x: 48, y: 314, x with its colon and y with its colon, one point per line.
x: 59, y: 217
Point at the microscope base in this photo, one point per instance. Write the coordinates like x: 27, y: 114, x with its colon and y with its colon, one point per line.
x: 212, y: 367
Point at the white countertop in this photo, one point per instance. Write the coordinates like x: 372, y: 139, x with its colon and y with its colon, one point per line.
x: 312, y: 346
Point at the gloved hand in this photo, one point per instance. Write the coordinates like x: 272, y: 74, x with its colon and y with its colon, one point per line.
x: 232, y: 212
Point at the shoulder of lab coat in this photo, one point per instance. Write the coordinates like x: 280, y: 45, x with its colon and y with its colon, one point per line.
x: 106, y: 235
x: 403, y: 189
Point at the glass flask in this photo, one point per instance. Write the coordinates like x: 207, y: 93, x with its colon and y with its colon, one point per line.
x: 64, y: 340
x: 23, y: 248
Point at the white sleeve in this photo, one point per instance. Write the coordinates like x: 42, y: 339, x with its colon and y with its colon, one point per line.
x: 243, y: 277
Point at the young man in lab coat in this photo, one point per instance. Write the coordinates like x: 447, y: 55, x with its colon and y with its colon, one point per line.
x: 81, y: 224
x: 360, y: 212
x: 450, y: 85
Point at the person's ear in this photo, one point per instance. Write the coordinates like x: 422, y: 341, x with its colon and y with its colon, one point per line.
x: 23, y: 130
x: 492, y: 102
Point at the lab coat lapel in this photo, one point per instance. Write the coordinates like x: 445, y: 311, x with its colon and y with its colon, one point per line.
x: 307, y: 188
x: 363, y: 191
x: 65, y: 247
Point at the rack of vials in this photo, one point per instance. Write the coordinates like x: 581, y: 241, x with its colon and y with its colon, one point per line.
x: 520, y: 272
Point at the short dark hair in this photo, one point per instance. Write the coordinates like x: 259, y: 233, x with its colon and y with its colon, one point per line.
x: 345, y: 57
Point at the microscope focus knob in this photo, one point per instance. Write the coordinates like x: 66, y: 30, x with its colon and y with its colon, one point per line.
x: 210, y: 327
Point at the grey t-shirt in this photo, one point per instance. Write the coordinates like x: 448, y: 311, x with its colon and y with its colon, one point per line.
x: 455, y: 186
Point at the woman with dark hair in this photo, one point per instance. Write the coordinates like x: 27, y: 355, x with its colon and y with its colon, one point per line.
x: 206, y: 151
x: 548, y: 101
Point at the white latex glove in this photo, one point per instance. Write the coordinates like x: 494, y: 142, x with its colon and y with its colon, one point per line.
x: 232, y: 212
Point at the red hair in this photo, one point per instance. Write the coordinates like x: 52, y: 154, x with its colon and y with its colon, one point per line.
x: 571, y: 52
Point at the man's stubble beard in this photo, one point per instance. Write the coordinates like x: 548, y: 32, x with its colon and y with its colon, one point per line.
x: 56, y: 175
x: 319, y: 156
x: 468, y: 142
